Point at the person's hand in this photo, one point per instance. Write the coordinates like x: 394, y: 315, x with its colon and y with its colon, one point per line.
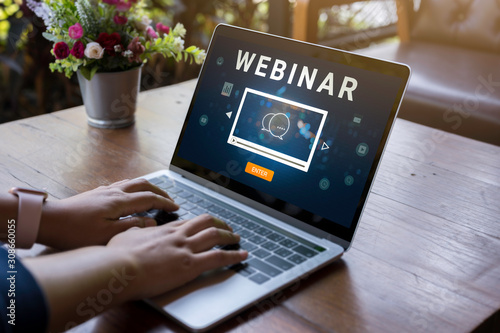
x: 171, y: 255
x: 94, y: 217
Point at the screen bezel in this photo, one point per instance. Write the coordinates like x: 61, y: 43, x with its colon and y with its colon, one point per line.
x: 307, y: 49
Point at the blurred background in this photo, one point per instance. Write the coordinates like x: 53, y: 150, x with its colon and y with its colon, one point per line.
x: 29, y: 88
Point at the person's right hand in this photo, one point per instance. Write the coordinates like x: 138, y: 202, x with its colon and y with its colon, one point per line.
x: 171, y: 255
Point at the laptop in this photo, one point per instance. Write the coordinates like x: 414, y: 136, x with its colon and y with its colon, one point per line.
x: 282, y: 141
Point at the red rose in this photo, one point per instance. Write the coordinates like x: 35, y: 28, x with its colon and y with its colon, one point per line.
x: 120, y: 20
x: 61, y: 50
x: 78, y: 50
x: 108, y: 41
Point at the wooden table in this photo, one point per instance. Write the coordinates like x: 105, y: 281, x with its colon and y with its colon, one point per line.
x: 426, y: 257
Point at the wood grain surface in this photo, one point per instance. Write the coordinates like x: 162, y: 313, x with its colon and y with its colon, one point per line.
x: 426, y: 256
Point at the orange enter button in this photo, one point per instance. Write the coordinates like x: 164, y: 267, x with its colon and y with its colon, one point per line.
x: 259, y: 171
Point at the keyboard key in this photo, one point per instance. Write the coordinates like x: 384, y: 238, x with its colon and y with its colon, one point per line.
x: 204, y: 204
x: 276, y: 237
x: 248, y: 246
x: 243, y: 269
x: 297, y: 259
x: 225, y: 214
x: 156, y: 180
x: 184, y: 194
x: 181, y: 212
x: 214, y: 209
x: 244, y: 233
x: 179, y: 201
x: 261, y: 253
x: 250, y: 225
x: 271, y: 246
x: 283, y: 252
x: 288, y: 243
x: 174, y: 190
x: 187, y: 205
x: 256, y: 239
x: 198, y: 211
x: 259, y: 278
x: 263, y: 267
x: 237, y: 219
x: 195, y: 199
x: 263, y: 231
x: 305, y: 251
x: 280, y: 263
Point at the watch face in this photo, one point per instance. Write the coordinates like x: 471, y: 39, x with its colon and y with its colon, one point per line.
x: 17, y: 190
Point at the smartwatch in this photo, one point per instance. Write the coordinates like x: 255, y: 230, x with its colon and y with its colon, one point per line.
x: 29, y: 215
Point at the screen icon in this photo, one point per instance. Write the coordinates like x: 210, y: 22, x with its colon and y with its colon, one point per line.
x: 276, y: 123
x: 203, y: 120
x: 324, y: 184
x: 226, y: 90
x: 362, y: 149
x: 357, y: 119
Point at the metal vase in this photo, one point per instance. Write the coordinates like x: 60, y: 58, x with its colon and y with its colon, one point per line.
x: 110, y: 99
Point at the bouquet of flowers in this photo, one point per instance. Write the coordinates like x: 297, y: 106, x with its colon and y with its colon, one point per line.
x: 107, y: 36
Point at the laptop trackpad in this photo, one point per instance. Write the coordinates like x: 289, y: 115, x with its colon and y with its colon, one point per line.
x: 210, y: 298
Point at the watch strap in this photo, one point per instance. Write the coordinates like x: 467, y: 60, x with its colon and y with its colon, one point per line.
x: 29, y: 215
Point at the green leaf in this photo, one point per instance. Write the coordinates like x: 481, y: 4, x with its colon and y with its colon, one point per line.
x: 191, y: 49
x: 50, y: 37
x: 85, y: 72
x: 93, y: 71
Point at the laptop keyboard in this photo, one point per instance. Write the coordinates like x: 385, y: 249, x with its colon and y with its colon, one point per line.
x: 271, y: 251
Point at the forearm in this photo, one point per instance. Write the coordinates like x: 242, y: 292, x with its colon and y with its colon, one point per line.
x: 83, y: 283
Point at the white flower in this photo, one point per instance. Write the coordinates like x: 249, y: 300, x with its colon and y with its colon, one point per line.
x: 200, y: 57
x: 178, y: 45
x: 41, y: 10
x: 128, y: 54
x: 118, y: 48
x: 94, y: 51
x: 143, y: 24
x: 179, y: 30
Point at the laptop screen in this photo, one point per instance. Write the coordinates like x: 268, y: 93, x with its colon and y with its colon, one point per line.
x: 294, y: 126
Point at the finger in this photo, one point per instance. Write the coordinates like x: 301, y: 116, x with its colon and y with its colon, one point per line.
x: 133, y: 221
x: 219, y: 258
x: 208, y: 238
x: 202, y: 222
x: 119, y: 182
x: 141, y: 185
x: 143, y: 201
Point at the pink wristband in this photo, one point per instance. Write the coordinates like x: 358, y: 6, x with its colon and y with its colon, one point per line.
x: 28, y: 216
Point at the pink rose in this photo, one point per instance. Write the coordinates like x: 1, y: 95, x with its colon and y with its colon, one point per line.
x: 137, y: 49
x: 162, y: 29
x: 110, y: 2
x: 61, y: 50
x: 120, y: 20
x: 123, y: 6
x: 75, y: 31
x: 78, y: 50
x: 151, y: 32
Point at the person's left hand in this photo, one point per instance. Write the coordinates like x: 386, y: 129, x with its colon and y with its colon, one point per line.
x: 94, y: 217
